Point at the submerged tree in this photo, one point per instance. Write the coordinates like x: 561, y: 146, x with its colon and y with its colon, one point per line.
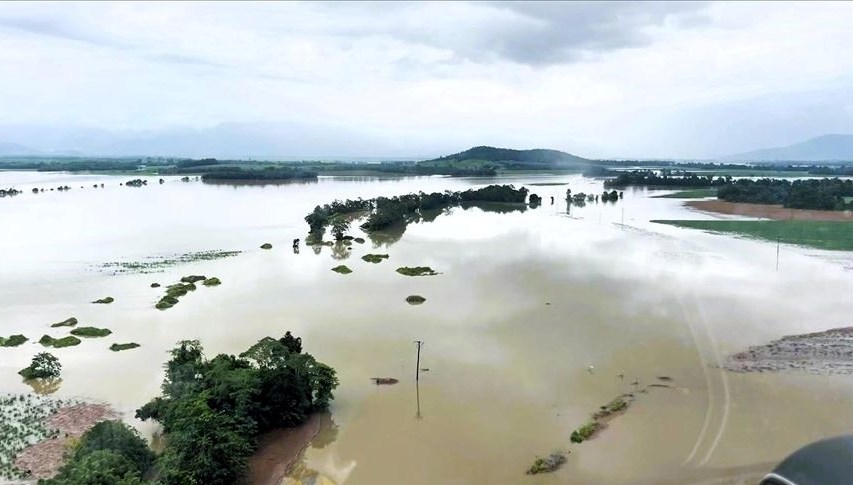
x: 43, y: 366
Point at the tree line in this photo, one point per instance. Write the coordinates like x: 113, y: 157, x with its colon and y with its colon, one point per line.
x: 820, y: 194
x: 664, y: 178
x: 384, y: 212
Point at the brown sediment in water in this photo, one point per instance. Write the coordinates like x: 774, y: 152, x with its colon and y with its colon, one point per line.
x: 44, y: 458
x: 279, y: 450
x: 769, y: 211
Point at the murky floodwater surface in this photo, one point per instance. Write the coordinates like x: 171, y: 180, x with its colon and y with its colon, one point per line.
x: 525, y: 303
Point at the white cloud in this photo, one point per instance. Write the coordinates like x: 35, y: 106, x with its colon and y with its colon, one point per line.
x: 617, y: 79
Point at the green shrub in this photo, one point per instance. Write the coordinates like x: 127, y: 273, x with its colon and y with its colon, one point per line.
x: 585, y: 432
x: 91, y: 332
x: 214, y: 281
x: 13, y: 340
x: 65, y: 323
x: 547, y: 465
x: 374, y: 258
x: 43, y: 366
x: 120, y: 347
x: 59, y: 343
x: 416, y: 271
x: 342, y: 269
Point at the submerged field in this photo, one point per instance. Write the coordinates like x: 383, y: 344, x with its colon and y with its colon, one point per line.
x: 831, y: 235
x: 530, y: 322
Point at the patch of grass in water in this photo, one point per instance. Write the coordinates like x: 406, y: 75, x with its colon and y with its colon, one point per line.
x: 120, y: 347
x: 415, y: 299
x: 214, y: 281
x: 65, y: 323
x: 155, y: 285
x: 585, y: 432
x: 374, y: 258
x: 548, y: 464
x: 105, y: 301
x: 612, y: 407
x: 416, y: 271
x: 59, y: 343
x: 689, y: 194
x: 266, y: 246
x: 342, y: 269
x: 192, y: 278
x: 831, y: 235
x: 12, y: 340
x: 91, y: 332
x: 158, y: 264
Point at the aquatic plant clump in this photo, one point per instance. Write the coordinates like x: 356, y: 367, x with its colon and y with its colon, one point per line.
x: 22, y: 423
x: 59, y: 343
x: 266, y: 246
x: 65, y: 323
x: 342, y: 269
x: 91, y: 332
x: 548, y: 464
x: 158, y: 264
x: 105, y: 301
x: 617, y: 405
x: 585, y: 432
x: 193, y: 278
x: 214, y: 281
x: 374, y: 258
x: 120, y: 347
x: 415, y: 299
x: 416, y: 271
x: 13, y: 340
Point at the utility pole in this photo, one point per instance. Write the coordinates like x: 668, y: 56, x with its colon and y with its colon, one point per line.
x: 623, y: 216
x: 418, y: 364
x: 777, y: 253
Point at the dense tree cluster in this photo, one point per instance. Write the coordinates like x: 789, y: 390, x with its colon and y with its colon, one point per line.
x: 385, y: 212
x: 43, y: 366
x: 611, y: 196
x: 663, y: 178
x: 109, y: 453
x: 267, y: 173
x: 213, y: 410
x: 821, y: 194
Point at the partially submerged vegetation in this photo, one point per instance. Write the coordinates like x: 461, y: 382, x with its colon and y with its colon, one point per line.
x: 821, y: 353
x: 342, y: 269
x: 550, y: 463
x: 267, y: 174
x: 820, y: 194
x: 212, y: 281
x: 43, y: 366
x: 120, y: 347
x: 416, y: 271
x: 70, y: 322
x: 12, y: 340
x: 212, y: 411
x: 689, y: 194
x: 415, y: 299
x: 266, y: 246
x: 157, y: 264
x: 374, y: 258
x: 105, y: 301
x: 830, y: 235
x: 58, y: 343
x: 585, y: 432
x: 91, y: 332
x: 186, y: 285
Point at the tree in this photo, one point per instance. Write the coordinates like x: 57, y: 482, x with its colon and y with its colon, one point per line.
x: 340, y: 226
x: 117, y: 437
x: 43, y: 366
x: 102, y: 467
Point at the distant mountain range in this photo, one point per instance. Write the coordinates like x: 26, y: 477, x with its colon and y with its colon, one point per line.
x: 823, y: 148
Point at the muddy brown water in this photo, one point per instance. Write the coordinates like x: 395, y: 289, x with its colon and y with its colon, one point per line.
x: 525, y: 303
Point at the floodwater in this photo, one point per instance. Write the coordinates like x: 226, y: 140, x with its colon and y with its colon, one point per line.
x: 525, y: 303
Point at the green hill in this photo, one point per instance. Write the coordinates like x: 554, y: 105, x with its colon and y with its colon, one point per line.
x: 507, y: 158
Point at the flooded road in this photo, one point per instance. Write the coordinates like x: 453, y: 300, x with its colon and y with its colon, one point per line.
x: 525, y: 303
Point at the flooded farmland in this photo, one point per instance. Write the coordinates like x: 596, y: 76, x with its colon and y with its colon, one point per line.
x: 535, y: 319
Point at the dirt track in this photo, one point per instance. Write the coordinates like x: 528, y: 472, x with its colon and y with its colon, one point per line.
x: 769, y: 211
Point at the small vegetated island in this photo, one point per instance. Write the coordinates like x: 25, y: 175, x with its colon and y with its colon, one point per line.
x: 212, y: 411
x: 386, y: 212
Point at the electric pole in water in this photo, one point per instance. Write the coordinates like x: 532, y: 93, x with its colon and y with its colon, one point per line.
x: 418, y: 364
x: 777, y: 253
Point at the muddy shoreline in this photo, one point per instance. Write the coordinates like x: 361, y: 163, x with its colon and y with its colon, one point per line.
x: 767, y: 211
x: 822, y: 353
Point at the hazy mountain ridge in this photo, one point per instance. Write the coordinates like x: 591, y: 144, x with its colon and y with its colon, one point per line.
x: 833, y: 147
x: 531, y: 156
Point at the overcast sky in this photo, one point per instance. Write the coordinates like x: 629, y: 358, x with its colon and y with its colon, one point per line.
x: 597, y: 79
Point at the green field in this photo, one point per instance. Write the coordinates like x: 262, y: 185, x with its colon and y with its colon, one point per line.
x: 689, y: 194
x: 831, y: 235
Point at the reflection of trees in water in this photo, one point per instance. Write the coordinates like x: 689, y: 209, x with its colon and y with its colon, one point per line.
x: 328, y: 432
x: 432, y: 214
x: 44, y: 386
x: 495, y: 207
x: 341, y: 250
x: 387, y: 237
